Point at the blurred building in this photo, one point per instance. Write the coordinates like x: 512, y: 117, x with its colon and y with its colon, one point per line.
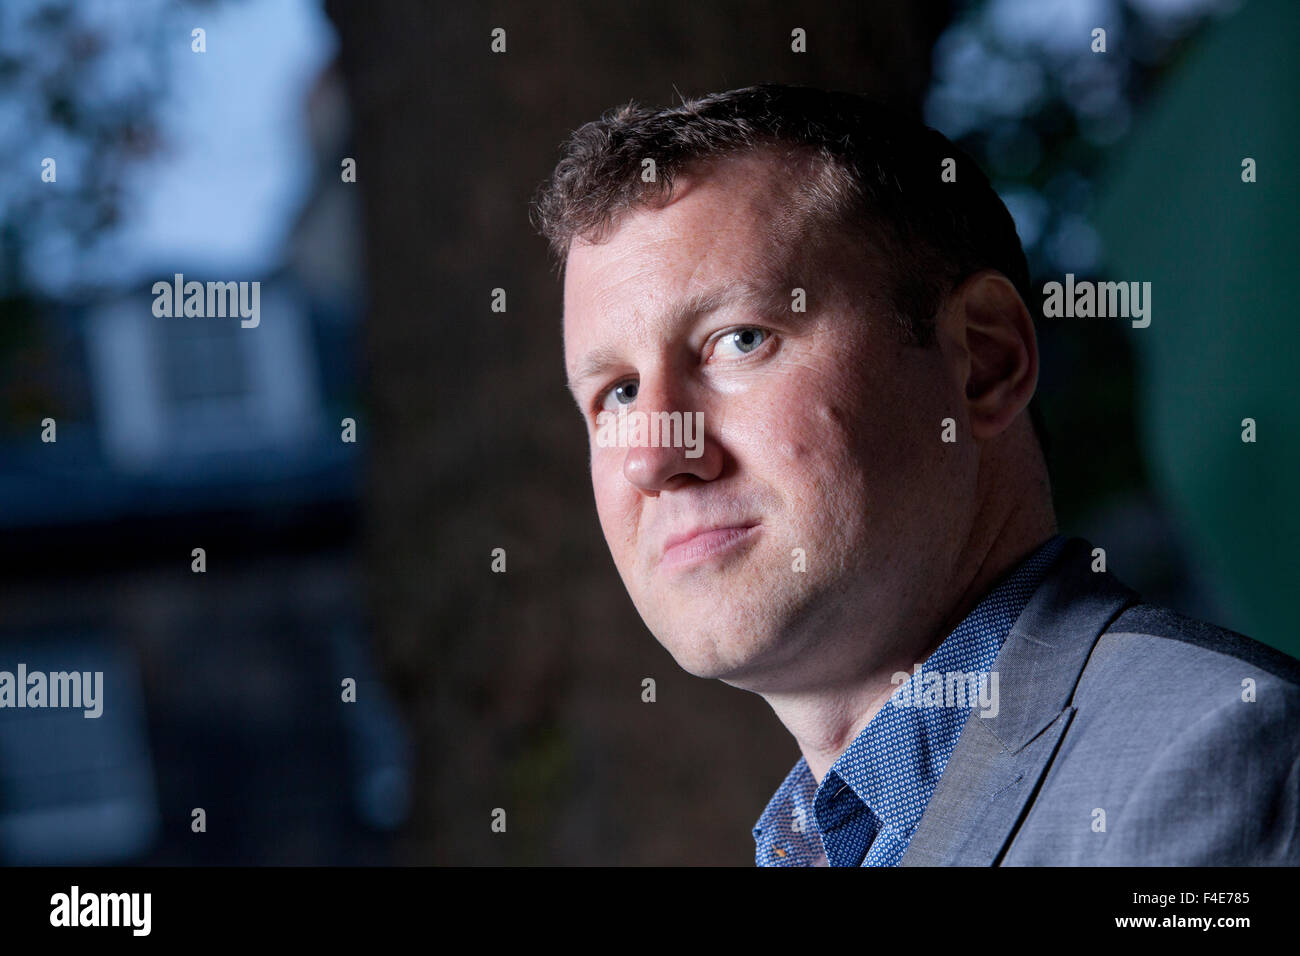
x: 222, y: 688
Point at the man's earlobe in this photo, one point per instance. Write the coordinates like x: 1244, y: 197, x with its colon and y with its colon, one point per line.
x: 1002, y: 351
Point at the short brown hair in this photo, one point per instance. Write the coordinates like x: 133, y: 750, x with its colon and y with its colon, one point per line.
x: 874, y: 169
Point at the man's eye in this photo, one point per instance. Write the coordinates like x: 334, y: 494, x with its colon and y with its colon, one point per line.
x: 743, y: 341
x: 624, y: 393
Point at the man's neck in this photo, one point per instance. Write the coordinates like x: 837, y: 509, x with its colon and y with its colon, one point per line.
x: 826, y: 721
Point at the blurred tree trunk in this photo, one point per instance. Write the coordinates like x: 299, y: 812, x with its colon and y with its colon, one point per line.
x: 523, y: 689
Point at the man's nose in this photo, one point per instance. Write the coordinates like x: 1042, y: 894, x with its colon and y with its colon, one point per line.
x: 676, y: 442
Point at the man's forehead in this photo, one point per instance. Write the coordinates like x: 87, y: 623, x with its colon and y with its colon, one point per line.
x: 738, y: 195
x: 631, y: 286
x: 709, y: 235
x: 726, y: 233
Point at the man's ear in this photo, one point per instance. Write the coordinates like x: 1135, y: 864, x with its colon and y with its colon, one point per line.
x: 996, y: 351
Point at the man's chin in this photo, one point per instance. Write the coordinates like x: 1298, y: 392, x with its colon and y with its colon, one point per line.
x: 716, y: 663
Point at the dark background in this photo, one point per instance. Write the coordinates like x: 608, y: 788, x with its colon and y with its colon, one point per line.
x: 372, y: 560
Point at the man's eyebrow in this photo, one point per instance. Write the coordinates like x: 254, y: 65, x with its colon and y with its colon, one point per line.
x: 763, y: 300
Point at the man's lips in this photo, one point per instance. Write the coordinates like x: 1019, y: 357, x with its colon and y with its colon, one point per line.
x: 704, y: 542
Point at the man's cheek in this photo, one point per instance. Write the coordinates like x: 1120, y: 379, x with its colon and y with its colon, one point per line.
x: 615, y: 507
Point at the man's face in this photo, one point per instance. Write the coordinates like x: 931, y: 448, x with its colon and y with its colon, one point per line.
x: 838, y: 510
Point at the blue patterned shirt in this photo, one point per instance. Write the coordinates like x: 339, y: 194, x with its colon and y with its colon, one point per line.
x: 870, y: 801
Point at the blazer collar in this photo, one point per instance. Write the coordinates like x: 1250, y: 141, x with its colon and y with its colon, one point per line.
x: 999, y: 760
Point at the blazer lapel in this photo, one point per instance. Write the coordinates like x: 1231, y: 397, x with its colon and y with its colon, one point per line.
x: 998, y: 761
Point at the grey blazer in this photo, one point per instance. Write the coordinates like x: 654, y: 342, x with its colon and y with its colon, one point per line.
x: 1126, y: 735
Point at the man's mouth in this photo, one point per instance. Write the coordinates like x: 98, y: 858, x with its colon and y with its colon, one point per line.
x: 701, y: 544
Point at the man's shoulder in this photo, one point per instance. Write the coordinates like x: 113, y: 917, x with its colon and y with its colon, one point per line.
x: 1183, y: 747
x: 1155, y: 675
x: 1159, y: 652
x: 1104, y: 628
